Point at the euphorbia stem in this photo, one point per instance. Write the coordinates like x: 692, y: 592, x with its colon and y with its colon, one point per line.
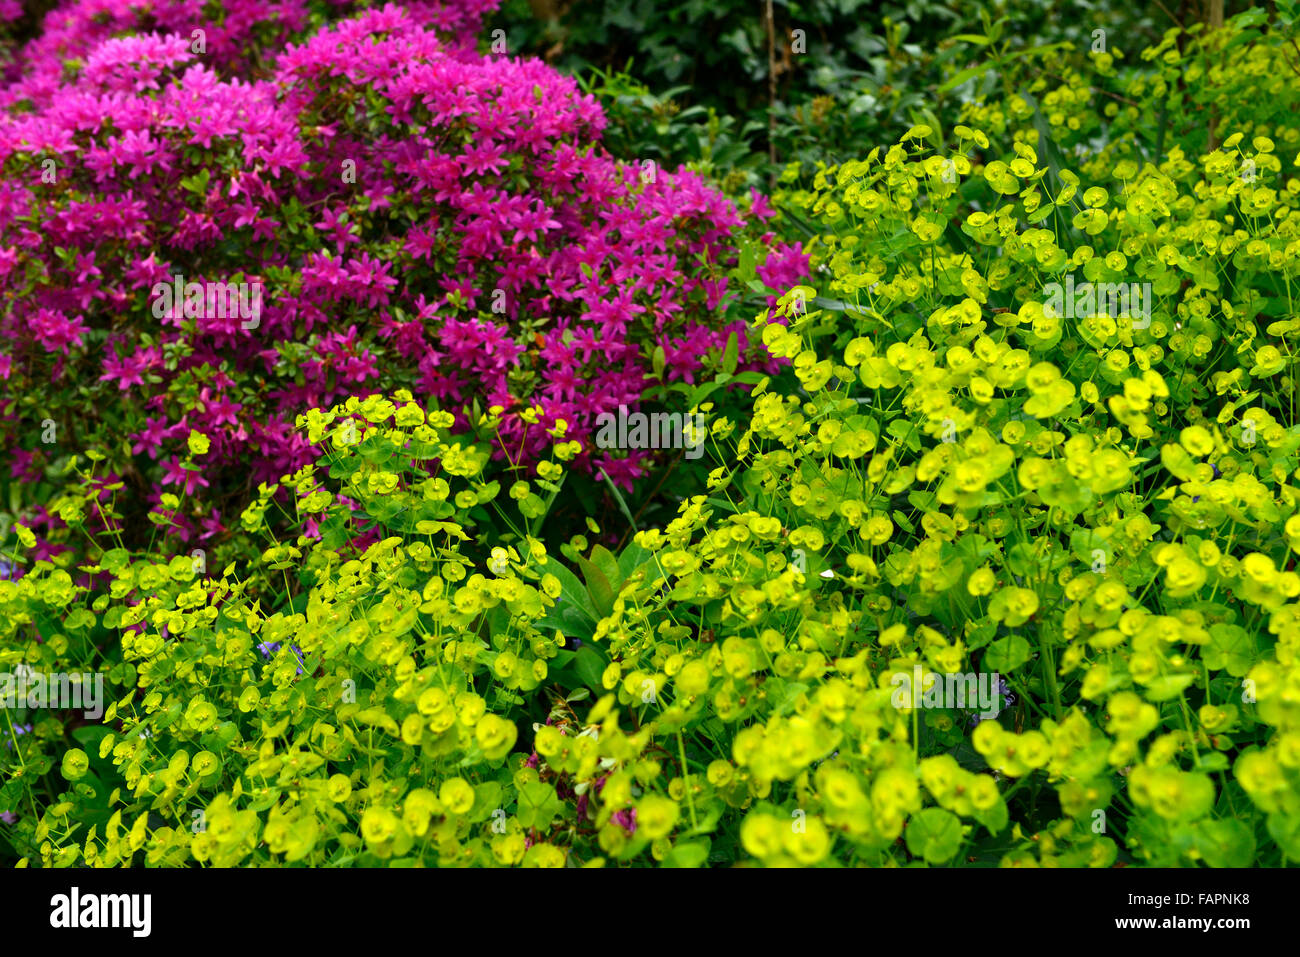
x: 686, y: 779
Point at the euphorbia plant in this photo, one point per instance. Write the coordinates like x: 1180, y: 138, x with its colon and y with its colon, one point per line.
x: 372, y: 717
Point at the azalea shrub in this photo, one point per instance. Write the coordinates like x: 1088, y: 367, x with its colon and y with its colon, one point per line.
x: 389, y: 210
x: 236, y: 37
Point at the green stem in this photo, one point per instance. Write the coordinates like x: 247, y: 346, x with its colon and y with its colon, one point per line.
x: 686, y: 779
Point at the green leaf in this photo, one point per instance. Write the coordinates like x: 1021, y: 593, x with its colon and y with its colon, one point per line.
x: 618, y: 497
x: 959, y: 78
x: 1285, y: 829
x: 748, y: 259
x: 1007, y: 654
x: 1167, y: 686
x: 906, y: 433
x: 731, y: 355
x: 1214, y: 761
x: 589, y: 665
x: 696, y: 395
x: 1225, y: 842
x: 603, y: 559
x: 537, y: 805
x: 934, y: 834
x: 932, y: 121
x: 995, y: 818
x: 572, y: 590
x: 89, y: 736
x: 1052, y: 156
x: 115, y: 559
x: 197, y: 184
x: 1230, y: 648
x: 1040, y: 214
x: 693, y: 854
x: 1085, y: 541
x: 659, y: 361
x: 981, y: 634
x: 487, y: 797
x: 573, y: 614
x: 633, y: 557
x: 598, y: 587
x: 79, y: 619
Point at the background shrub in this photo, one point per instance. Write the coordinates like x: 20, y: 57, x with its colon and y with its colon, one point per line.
x: 866, y: 71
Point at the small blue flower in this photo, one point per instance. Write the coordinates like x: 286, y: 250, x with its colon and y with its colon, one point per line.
x: 268, y: 648
x: 1004, y: 689
x: 19, y: 730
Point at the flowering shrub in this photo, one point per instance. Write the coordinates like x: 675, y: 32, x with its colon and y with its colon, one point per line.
x: 233, y: 36
x: 429, y: 218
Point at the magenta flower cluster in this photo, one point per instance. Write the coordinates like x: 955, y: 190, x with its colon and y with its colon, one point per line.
x: 240, y: 37
x: 413, y: 214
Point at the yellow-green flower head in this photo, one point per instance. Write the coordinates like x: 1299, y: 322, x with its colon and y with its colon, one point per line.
x: 456, y: 795
x: 378, y: 825
x: 761, y: 835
